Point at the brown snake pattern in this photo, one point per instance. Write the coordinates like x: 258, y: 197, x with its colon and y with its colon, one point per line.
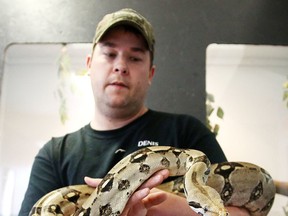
x: 208, y: 188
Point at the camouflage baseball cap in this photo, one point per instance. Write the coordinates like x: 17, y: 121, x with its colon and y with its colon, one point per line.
x: 126, y: 16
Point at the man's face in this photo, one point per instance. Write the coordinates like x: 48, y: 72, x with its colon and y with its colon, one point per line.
x: 120, y: 71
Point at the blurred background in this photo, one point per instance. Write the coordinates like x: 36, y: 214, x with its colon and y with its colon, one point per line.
x: 234, y: 52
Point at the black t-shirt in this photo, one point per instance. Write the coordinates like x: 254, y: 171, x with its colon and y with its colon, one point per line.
x: 67, y: 160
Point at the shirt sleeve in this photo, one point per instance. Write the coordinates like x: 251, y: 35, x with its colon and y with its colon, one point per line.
x: 43, y: 178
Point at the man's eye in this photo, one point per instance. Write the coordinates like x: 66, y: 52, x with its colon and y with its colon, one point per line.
x: 135, y: 59
x: 110, y: 54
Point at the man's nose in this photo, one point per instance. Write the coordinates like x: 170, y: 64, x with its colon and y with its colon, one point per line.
x: 121, y: 67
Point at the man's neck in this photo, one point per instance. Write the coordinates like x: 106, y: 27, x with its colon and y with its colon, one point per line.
x: 110, y: 122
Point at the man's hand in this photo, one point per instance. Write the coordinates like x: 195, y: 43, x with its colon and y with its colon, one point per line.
x: 142, y: 200
x: 156, y: 202
x: 237, y: 211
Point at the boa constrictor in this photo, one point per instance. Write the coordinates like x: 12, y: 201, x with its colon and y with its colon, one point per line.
x: 234, y: 183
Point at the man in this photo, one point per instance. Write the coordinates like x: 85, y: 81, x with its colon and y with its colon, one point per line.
x: 121, y: 70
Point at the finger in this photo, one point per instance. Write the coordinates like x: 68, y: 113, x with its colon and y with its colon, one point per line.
x: 137, y: 209
x: 142, y: 200
x: 135, y: 201
x: 138, y: 196
x: 93, y: 182
x: 237, y: 211
x: 154, y: 199
x: 139, y: 203
x: 156, y: 179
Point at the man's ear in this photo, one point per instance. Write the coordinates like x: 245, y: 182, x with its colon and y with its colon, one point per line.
x: 88, y: 61
x: 151, y: 74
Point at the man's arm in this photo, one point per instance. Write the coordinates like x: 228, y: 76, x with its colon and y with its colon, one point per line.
x: 176, y: 205
x: 42, y: 180
x: 148, y: 200
x: 141, y: 200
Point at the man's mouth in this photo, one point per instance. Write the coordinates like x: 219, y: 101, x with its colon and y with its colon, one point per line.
x: 118, y: 84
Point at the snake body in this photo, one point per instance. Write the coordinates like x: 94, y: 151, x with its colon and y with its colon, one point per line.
x: 207, y: 187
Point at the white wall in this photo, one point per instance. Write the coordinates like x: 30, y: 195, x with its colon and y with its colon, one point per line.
x: 29, y: 111
x: 247, y: 82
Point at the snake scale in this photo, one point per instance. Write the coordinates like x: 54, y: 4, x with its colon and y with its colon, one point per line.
x: 208, y: 188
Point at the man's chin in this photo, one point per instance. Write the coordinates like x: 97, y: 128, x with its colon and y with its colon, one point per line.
x: 118, y: 104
